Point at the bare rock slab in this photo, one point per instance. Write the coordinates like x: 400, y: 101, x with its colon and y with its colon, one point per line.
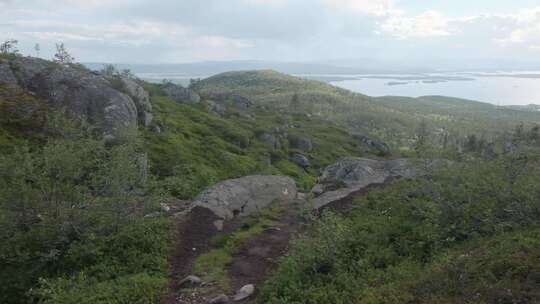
x: 246, y: 195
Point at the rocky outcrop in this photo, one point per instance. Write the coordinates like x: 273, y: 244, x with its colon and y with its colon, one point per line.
x: 353, y: 174
x: 301, y: 143
x: 6, y: 74
x: 300, y: 160
x: 373, y: 146
x: 245, y: 195
x: 180, y: 94
x: 84, y: 94
x: 140, y: 96
x: 232, y: 99
x: 215, y: 107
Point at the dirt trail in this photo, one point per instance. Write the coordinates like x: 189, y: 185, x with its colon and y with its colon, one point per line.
x: 192, y: 236
x: 259, y: 256
x: 253, y: 262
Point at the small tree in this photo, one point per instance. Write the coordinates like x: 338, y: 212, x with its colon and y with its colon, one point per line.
x: 109, y: 70
x: 9, y: 47
x: 295, y: 103
x: 534, y: 133
x: 421, y: 146
x: 62, y: 56
x: 127, y: 73
x: 193, y: 82
x: 37, y: 48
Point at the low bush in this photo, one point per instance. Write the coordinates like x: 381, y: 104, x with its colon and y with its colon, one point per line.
x: 392, y: 248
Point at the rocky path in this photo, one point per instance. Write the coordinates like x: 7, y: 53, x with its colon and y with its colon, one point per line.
x: 252, y: 260
x: 252, y: 263
x: 191, y: 239
x: 259, y: 256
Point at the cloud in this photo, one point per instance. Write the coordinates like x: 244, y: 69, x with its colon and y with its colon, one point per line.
x: 221, y: 42
x: 524, y: 29
x: 366, y: 7
x: 172, y: 30
x: 428, y: 24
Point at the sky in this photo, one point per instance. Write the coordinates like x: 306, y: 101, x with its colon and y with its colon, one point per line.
x: 179, y: 31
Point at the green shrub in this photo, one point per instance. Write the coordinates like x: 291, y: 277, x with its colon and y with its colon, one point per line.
x: 140, y: 288
x: 395, y: 234
x: 77, y: 206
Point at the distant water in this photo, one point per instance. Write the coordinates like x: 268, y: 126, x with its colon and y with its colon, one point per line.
x: 503, y: 88
x: 498, y: 89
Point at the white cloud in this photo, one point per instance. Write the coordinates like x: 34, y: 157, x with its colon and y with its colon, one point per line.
x: 131, y: 33
x: 366, y: 7
x: 428, y: 24
x: 525, y: 30
x: 221, y: 42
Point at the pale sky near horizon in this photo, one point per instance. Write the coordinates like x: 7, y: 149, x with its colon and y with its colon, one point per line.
x: 143, y: 31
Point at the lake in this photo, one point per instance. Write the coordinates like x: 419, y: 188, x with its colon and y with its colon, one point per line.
x: 503, y: 88
x: 499, y: 89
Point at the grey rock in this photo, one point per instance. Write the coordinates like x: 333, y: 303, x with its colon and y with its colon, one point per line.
x: 510, y: 147
x: 219, y: 225
x: 241, y: 101
x: 190, y: 280
x: 164, y: 207
x: 82, y: 93
x: 277, y: 130
x: 234, y: 99
x: 218, y: 108
x: 317, y: 190
x: 153, y: 215
x: 369, y: 145
x: 300, y: 160
x: 141, y: 98
x: 301, y: 143
x: 352, y: 174
x: 244, y: 292
x: 221, y: 299
x: 245, y: 195
x: 156, y: 129
x: 488, y: 152
x: 271, y: 140
x: 180, y: 94
x: 6, y: 74
x: 362, y: 171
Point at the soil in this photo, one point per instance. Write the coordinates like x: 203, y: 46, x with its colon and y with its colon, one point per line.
x: 192, y: 237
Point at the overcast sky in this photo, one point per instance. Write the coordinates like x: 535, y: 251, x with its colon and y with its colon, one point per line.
x: 161, y: 31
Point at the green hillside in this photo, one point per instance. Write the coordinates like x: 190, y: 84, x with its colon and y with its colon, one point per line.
x: 83, y: 220
x: 394, y: 119
x: 200, y: 145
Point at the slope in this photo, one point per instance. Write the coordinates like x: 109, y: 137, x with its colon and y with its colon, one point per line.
x: 395, y: 119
